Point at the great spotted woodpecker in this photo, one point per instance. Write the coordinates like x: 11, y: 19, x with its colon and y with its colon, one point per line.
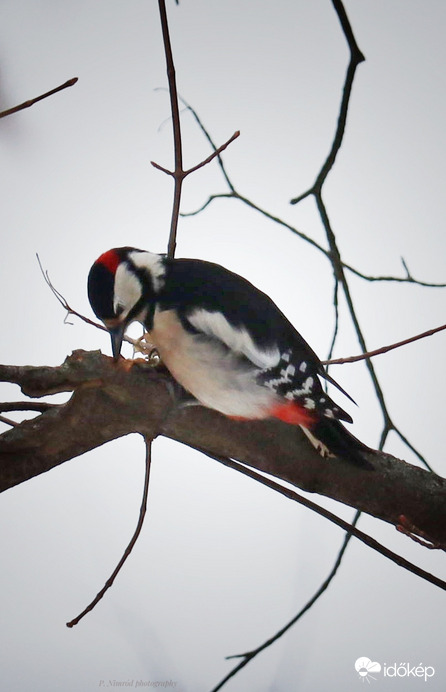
x: 223, y: 340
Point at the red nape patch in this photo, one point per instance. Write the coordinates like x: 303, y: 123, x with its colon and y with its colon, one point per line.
x: 294, y: 413
x: 110, y: 260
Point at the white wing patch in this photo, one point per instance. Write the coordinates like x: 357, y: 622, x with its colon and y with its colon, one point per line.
x: 214, y: 324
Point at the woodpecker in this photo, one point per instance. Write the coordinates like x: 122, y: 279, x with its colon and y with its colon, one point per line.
x: 223, y: 340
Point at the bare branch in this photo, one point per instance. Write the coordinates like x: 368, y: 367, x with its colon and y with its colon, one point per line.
x: 216, y: 153
x: 383, y: 349
x: 360, y: 535
x: 356, y: 57
x: 31, y: 102
x: 333, y: 254
x: 114, y: 399
x: 397, y: 279
x: 178, y: 154
x: 128, y: 550
x: 211, y: 142
x: 40, y: 406
x: 162, y: 169
x: 8, y: 421
x: 178, y: 174
x: 64, y: 302
x: 202, y: 163
x: 249, y: 655
x: 234, y: 194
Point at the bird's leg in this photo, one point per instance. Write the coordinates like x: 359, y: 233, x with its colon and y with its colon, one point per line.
x: 145, y: 346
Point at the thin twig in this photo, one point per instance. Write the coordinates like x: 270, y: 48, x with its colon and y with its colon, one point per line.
x: 408, y: 444
x: 31, y: 102
x: 383, y: 349
x: 335, y: 326
x: 178, y: 154
x: 178, y: 174
x: 211, y: 142
x: 40, y: 406
x: 128, y: 550
x: 210, y: 158
x: 360, y: 535
x: 356, y: 58
x: 234, y: 194
x: 214, y: 154
x: 333, y: 254
x: 8, y: 421
x: 249, y: 655
x: 397, y: 279
x: 71, y: 311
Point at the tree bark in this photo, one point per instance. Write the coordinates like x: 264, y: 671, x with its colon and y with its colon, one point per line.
x: 111, y: 400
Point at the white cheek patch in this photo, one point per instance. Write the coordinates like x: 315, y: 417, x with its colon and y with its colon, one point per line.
x: 215, y: 325
x: 127, y: 290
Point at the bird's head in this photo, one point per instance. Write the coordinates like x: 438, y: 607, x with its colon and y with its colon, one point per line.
x: 122, y: 287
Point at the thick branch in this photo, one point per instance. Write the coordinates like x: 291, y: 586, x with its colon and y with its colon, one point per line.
x: 110, y: 401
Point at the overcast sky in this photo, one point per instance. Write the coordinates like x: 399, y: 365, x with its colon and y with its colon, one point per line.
x: 222, y: 563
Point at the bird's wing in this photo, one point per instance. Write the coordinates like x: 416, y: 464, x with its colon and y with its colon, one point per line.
x: 216, y: 326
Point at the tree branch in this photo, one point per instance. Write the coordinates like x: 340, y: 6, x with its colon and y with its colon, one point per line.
x: 31, y: 102
x: 249, y: 655
x: 178, y: 152
x: 111, y: 400
x: 128, y: 550
x: 383, y: 349
x: 178, y: 174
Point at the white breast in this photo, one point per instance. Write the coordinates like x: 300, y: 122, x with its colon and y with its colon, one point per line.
x: 219, y: 378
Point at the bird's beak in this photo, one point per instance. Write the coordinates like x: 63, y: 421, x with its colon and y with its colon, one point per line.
x: 117, y: 335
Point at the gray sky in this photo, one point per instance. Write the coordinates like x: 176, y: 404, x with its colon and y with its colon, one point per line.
x: 221, y: 563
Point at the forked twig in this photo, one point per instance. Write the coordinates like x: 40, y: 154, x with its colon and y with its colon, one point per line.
x: 178, y: 174
x: 351, y: 531
x: 249, y: 655
x: 128, y: 550
x: 210, y: 158
x: 334, y: 256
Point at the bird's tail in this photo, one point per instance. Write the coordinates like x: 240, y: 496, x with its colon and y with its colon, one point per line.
x: 330, y: 438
